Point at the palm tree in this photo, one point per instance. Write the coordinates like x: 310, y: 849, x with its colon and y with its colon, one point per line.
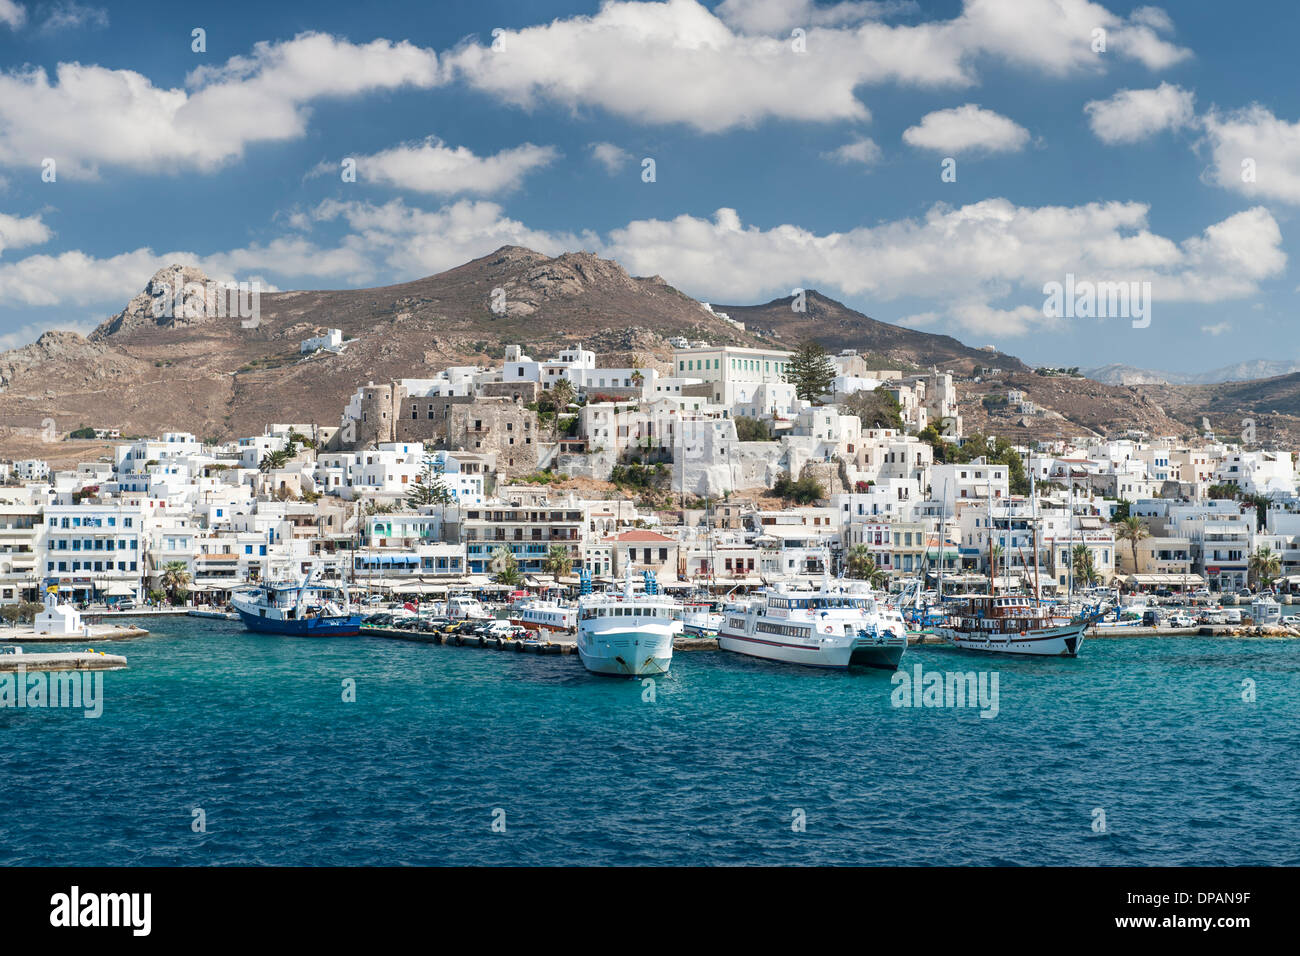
x: 273, y: 460
x: 1264, y: 566
x: 506, y: 567
x: 558, y: 561
x: 1084, y: 570
x: 561, y: 394
x: 861, y: 565
x: 175, y: 577
x: 1132, y: 530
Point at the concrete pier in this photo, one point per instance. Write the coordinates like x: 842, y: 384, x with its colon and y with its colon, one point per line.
x: 62, y: 661
x: 97, y: 632
x: 551, y: 643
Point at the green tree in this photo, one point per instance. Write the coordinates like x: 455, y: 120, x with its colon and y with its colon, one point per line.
x: 175, y: 579
x: 811, y: 372
x: 429, y: 489
x: 861, y: 565
x: 1132, y: 530
x: 1264, y: 566
x: 558, y: 560
x: 273, y: 460
x: 505, y: 566
x: 804, y: 491
x: 1085, y: 571
x: 876, y: 408
x: 752, y: 429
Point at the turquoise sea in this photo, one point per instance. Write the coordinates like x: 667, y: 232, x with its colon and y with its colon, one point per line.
x: 443, y: 742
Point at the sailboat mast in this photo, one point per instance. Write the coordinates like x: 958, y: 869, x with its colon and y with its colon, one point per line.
x: 943, y: 537
x: 993, y: 567
x: 1033, y: 524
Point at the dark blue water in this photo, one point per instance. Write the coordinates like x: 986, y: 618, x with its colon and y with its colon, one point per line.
x: 254, y: 731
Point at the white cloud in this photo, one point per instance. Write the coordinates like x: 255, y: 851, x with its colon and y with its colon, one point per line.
x: 416, y: 242
x: 613, y: 158
x: 1132, y: 115
x: 862, y: 150
x: 964, y: 260
x: 12, y: 14
x: 965, y: 129
x: 92, y: 115
x: 979, y: 267
x: 1254, y: 153
x: 677, y: 62
x: 16, y: 231
x: 73, y: 16
x: 770, y: 16
x: 1219, y: 328
x: 435, y: 168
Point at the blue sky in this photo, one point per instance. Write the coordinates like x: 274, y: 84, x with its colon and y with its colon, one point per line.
x: 782, y: 160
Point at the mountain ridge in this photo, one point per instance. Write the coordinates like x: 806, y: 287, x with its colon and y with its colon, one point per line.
x: 198, y: 369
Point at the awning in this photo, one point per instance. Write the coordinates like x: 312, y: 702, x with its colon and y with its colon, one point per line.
x: 1182, y: 580
x: 119, y: 590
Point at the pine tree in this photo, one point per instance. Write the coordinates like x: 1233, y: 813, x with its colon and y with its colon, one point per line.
x: 811, y: 372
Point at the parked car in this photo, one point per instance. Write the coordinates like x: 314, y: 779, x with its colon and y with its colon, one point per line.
x: 1201, y: 594
x: 1179, y: 619
x: 1164, y: 592
x: 1290, y: 620
x: 1245, y: 592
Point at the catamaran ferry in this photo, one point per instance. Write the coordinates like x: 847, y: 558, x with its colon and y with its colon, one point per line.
x: 1012, y: 624
x: 306, y: 609
x: 539, y: 615
x: 834, y: 626
x: 627, y: 634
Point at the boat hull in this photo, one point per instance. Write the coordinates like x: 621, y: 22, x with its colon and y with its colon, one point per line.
x: 1065, y: 641
x: 623, y: 652
x: 839, y: 653
x: 347, y: 626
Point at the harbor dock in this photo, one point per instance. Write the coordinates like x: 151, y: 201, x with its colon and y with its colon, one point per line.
x: 28, y: 634
x: 1200, y: 630
x: 558, y: 644
x: 61, y: 661
x: 552, y: 644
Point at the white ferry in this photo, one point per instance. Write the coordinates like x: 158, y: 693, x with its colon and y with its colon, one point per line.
x: 833, y: 626
x: 627, y: 634
x: 540, y: 615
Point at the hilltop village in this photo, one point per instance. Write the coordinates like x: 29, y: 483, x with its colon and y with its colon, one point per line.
x: 734, y: 467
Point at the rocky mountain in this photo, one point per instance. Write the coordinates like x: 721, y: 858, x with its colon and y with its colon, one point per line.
x: 838, y: 327
x: 179, y: 356
x: 1238, y: 372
